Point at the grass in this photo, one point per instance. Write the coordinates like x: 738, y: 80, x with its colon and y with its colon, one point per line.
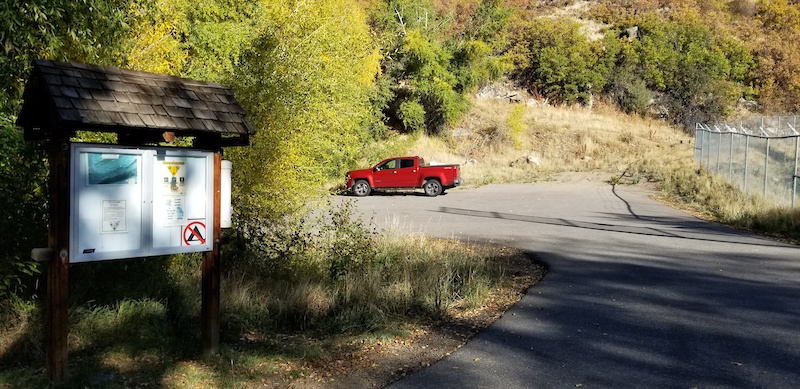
x: 491, y: 147
x: 283, y: 309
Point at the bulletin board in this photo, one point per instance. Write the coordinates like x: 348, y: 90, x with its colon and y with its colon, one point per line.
x: 129, y: 202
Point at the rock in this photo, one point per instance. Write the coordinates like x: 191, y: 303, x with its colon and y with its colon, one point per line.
x: 529, y: 160
x: 632, y: 33
x: 461, y: 133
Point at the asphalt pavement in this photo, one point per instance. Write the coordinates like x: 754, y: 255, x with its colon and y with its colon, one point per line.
x: 638, y: 295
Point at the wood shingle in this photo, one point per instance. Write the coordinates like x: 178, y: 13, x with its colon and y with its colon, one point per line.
x: 64, y: 97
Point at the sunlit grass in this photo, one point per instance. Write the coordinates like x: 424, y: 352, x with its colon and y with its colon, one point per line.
x: 274, y: 321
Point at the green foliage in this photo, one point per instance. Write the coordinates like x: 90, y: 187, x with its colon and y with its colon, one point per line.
x: 777, y: 51
x: 23, y: 211
x: 134, y: 324
x: 555, y: 58
x: 306, y: 83
x: 155, y: 43
x: 86, y: 31
x: 423, y: 65
x: 474, y: 65
x: 426, y: 78
x: 684, y: 60
x: 412, y: 115
x: 516, y: 126
x: 217, y: 35
x: 629, y: 91
x: 351, y: 245
x: 490, y: 23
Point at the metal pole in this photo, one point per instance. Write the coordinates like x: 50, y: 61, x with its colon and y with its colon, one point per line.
x: 794, y: 178
x: 746, y: 157
x: 766, y: 169
x: 719, y: 151
x: 697, y: 145
x: 730, y: 159
x: 702, y: 146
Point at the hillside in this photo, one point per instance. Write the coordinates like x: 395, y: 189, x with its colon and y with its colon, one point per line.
x: 499, y: 141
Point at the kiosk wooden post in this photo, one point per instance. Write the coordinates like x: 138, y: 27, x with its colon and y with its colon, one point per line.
x: 56, y: 300
x: 210, y: 283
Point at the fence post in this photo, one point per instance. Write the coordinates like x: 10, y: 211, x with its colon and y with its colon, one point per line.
x: 719, y: 151
x: 766, y: 168
x: 746, y: 157
x: 708, y: 144
x: 730, y: 159
x: 704, y: 148
x: 794, y: 178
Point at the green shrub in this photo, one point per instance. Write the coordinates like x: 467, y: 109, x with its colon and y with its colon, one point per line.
x: 555, y: 58
x: 23, y: 210
x: 412, y: 115
x: 516, y: 126
x: 629, y: 91
x: 701, y: 74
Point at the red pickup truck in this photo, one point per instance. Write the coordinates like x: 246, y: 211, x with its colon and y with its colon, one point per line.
x: 404, y: 173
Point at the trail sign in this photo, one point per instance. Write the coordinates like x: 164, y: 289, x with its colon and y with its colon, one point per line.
x: 194, y: 234
x: 113, y: 201
x: 130, y: 202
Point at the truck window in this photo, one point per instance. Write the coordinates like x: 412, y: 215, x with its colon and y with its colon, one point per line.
x: 406, y: 163
x: 388, y: 165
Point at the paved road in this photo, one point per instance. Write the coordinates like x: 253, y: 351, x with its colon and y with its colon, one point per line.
x: 638, y: 294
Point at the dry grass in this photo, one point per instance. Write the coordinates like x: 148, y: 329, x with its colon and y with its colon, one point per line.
x: 555, y: 140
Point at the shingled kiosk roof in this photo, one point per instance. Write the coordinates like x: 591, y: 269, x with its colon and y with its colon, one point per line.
x: 61, y: 98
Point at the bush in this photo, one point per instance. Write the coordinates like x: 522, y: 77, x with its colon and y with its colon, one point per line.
x: 701, y: 74
x: 629, y: 91
x: 555, y: 58
x: 516, y: 126
x: 412, y: 115
x: 23, y: 209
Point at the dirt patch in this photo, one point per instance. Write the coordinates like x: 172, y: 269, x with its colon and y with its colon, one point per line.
x: 381, y: 363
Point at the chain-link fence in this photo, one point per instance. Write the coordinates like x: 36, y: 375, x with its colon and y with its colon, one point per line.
x: 758, y: 155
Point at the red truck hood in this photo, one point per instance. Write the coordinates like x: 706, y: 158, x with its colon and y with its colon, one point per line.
x: 359, y: 172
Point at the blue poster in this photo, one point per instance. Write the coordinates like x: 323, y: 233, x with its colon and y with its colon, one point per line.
x: 119, y: 169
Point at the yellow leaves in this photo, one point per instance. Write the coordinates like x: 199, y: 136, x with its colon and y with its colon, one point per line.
x: 306, y: 84
x: 154, y: 45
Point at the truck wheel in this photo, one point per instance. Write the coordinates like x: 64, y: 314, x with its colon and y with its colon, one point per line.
x: 361, y: 188
x: 432, y: 187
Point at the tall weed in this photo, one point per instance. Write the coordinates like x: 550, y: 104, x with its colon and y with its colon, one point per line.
x: 350, y: 278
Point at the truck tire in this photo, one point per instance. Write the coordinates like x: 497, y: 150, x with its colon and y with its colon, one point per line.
x: 432, y: 187
x: 361, y: 188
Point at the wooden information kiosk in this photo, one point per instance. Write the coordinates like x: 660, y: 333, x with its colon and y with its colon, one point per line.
x: 132, y: 199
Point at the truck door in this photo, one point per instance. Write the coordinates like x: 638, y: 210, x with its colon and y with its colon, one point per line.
x: 385, y: 174
x: 406, y: 176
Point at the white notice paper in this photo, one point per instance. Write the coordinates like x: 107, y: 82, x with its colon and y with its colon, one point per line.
x: 114, y: 213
